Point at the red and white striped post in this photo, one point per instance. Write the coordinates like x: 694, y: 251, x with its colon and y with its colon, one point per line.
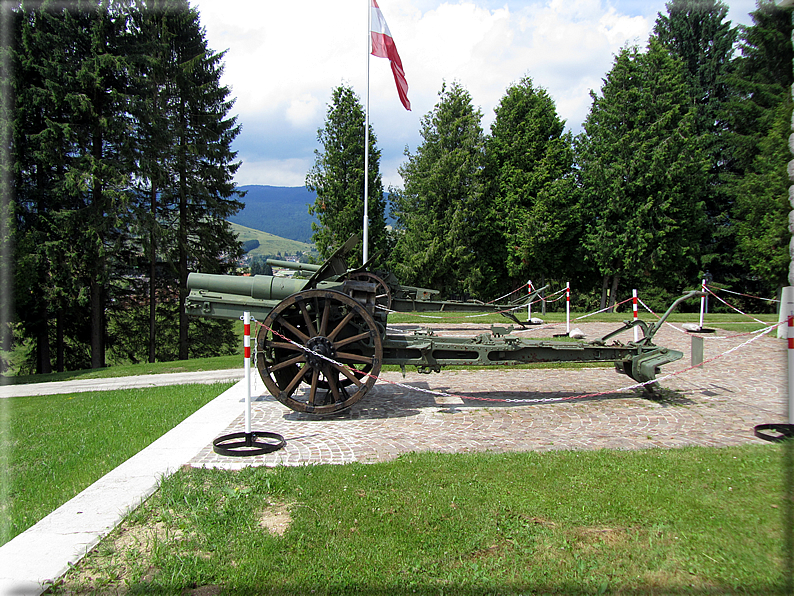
x: 249, y: 446
x: 247, y: 363
x: 634, y: 307
x: 529, y: 304
x: 783, y: 431
x: 568, y: 308
x: 787, y: 311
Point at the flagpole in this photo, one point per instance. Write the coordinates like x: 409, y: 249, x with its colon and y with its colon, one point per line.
x: 366, y: 138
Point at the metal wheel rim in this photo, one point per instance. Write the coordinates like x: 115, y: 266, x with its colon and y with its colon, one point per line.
x: 383, y: 296
x: 341, y: 330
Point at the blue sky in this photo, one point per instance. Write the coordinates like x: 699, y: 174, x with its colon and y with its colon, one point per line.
x: 284, y: 58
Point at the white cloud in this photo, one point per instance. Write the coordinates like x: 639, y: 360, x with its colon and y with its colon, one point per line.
x: 273, y: 172
x: 303, y: 111
x: 618, y: 29
x: 284, y: 58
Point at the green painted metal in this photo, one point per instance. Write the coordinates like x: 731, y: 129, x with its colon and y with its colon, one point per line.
x: 292, y: 265
x: 311, y: 315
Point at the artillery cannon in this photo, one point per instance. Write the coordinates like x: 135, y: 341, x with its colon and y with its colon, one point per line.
x: 323, y: 340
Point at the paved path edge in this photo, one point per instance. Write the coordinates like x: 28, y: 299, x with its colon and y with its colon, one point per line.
x: 43, y: 553
x: 115, y: 383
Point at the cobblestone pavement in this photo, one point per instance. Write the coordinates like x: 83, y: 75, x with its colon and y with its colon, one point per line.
x: 717, y: 404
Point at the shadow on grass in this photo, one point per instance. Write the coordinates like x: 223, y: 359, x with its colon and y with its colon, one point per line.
x: 427, y: 589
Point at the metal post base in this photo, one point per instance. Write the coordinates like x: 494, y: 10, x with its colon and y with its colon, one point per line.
x: 249, y: 445
x: 785, y: 431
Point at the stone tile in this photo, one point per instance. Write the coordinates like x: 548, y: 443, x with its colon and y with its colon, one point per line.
x: 717, y: 404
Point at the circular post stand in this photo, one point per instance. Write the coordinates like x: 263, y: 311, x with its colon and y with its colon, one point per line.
x: 226, y: 445
x: 785, y: 431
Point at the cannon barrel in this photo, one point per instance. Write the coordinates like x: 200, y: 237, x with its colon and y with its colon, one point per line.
x: 228, y: 296
x: 262, y: 287
x: 293, y: 265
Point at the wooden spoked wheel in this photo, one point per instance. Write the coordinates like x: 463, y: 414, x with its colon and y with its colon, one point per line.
x: 383, y: 296
x: 316, y: 350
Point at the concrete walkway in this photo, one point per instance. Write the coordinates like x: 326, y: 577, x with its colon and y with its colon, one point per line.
x: 80, y: 385
x: 497, y: 410
x: 44, y: 552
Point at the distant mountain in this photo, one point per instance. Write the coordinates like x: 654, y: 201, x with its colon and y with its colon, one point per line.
x: 279, y: 210
x: 262, y: 243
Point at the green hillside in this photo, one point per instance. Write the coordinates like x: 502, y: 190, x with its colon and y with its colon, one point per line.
x: 270, y: 244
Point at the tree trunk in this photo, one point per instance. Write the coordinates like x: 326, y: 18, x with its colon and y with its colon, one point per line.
x: 43, y: 364
x: 614, y: 292
x: 59, y: 351
x: 97, y: 328
x: 183, y: 320
x: 153, y: 280
x: 98, y: 267
x: 604, y: 292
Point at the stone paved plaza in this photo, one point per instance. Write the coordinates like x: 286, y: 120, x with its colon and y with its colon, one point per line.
x: 717, y: 404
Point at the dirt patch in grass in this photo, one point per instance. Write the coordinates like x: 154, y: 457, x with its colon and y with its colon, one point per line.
x: 275, y: 518
x: 108, y: 569
x: 602, y: 535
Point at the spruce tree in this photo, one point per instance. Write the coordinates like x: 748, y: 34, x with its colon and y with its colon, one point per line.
x: 72, y: 150
x: 762, y: 207
x: 698, y: 33
x: 338, y: 179
x: 643, y: 173
x: 528, y: 156
x: 204, y: 189
x: 153, y: 25
x: 117, y: 114
x: 760, y: 127
x: 442, y: 211
x: 100, y: 122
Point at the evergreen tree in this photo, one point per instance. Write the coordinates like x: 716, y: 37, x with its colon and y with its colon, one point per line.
x: 8, y: 38
x: 204, y: 164
x: 107, y: 98
x: 696, y: 31
x: 761, y: 79
x: 442, y: 212
x: 643, y: 172
x: 70, y: 147
x: 761, y: 124
x: 97, y: 92
x: 338, y: 179
x: 154, y: 25
x: 528, y: 156
x: 38, y: 151
x: 762, y: 207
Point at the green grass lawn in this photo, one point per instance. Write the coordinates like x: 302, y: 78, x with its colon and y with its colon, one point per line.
x: 680, y: 521
x: 684, y: 521
x: 54, y: 446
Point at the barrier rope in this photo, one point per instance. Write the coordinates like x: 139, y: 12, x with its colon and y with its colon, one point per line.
x: 746, y: 295
x: 734, y: 308
x: 757, y: 334
x: 648, y: 308
x: 508, y: 294
x: 604, y: 309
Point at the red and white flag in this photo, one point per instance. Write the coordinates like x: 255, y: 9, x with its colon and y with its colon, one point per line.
x: 383, y: 47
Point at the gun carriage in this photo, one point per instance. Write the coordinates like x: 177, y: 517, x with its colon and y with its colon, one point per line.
x: 323, y: 340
